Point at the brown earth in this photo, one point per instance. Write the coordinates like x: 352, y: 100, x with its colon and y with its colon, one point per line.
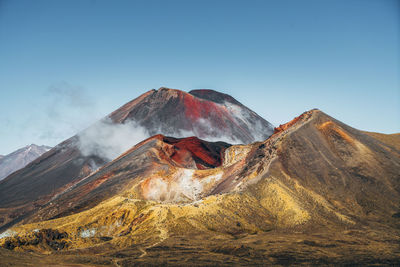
x: 389, y: 139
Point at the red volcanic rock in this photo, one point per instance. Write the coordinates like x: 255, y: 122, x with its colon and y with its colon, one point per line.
x: 205, y: 154
x: 185, y: 151
x: 196, y: 108
x: 283, y: 127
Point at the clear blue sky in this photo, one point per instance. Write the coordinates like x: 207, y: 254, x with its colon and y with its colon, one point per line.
x: 64, y: 64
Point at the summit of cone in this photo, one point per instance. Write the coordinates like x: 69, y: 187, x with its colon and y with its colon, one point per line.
x: 207, y: 114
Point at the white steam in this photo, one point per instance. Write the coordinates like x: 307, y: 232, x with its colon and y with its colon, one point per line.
x: 205, y: 130
x: 88, y: 233
x: 8, y: 233
x: 108, y: 140
x: 182, y: 187
x: 245, y: 116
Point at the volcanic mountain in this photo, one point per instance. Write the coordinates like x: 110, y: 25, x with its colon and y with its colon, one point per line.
x: 316, y: 192
x: 207, y: 114
x: 20, y: 158
x: 204, y: 113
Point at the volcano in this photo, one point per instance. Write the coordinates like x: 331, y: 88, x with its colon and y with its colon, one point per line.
x: 315, y: 192
x: 206, y: 114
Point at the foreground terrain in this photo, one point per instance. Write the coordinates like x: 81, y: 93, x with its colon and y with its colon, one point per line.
x: 347, y: 247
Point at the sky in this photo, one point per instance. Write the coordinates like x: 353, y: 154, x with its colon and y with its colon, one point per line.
x: 66, y: 64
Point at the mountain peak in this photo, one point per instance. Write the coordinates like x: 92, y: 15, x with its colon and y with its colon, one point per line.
x: 215, y: 96
x: 163, y: 88
x: 204, y: 113
x: 20, y: 158
x: 38, y: 146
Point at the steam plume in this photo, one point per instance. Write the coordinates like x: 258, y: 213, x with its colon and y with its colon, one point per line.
x: 108, y: 140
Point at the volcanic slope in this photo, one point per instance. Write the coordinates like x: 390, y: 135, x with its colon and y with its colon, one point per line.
x: 316, y: 192
x: 205, y: 113
x: 388, y: 139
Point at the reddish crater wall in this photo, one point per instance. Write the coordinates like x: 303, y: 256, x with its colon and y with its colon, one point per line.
x: 205, y: 154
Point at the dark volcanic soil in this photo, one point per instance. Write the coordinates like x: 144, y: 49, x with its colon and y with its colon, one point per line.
x: 347, y: 247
